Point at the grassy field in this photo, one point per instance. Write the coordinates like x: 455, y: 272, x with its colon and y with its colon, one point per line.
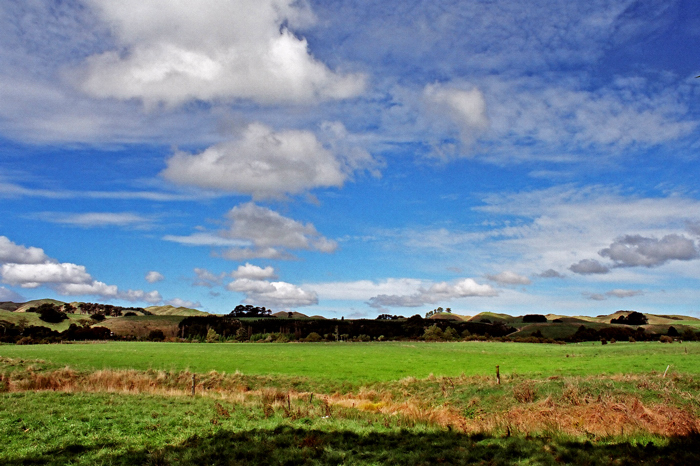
x: 367, y: 362
x: 54, y: 415
x: 349, y: 403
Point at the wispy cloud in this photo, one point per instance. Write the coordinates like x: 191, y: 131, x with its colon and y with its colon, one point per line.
x: 97, y: 219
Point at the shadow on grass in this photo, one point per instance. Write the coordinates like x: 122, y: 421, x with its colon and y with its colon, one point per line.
x: 294, y: 446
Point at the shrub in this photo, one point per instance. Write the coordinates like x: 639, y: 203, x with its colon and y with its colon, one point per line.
x: 665, y: 339
x: 534, y: 318
x: 632, y: 340
x: 49, y: 313
x: 241, y: 334
x: 450, y: 334
x: 603, y: 341
x: 313, y: 337
x: 212, y: 336
x: 130, y: 314
x: 156, y: 335
x: 98, y: 317
x: 433, y: 333
x: 672, y: 332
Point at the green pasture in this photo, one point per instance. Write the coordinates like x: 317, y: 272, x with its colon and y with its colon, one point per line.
x: 54, y: 428
x: 376, y: 361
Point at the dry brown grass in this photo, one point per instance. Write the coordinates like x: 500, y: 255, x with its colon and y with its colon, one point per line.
x: 577, y: 410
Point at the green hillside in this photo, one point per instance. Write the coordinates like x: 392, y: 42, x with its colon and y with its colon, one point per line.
x: 33, y: 319
x: 174, y: 311
x: 36, y: 303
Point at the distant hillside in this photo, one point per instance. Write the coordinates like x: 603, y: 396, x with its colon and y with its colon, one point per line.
x: 37, y: 303
x: 141, y: 326
x: 9, y: 306
x: 448, y: 316
x: 285, y: 315
x: 32, y: 318
x: 493, y: 317
x: 174, y: 311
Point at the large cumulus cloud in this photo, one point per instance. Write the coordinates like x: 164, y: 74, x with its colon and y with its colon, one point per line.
x: 174, y: 52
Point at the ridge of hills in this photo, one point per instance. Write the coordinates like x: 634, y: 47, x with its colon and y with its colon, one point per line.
x: 166, y: 310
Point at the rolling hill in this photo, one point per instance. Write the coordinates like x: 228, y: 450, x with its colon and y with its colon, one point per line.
x: 174, y: 311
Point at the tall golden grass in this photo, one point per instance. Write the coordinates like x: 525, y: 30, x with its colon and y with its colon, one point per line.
x: 575, y: 412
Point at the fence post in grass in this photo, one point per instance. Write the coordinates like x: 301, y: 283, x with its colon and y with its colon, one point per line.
x: 666, y: 371
x: 194, y: 381
x: 498, y: 375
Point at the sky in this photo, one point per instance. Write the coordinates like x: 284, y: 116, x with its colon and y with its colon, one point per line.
x: 352, y: 158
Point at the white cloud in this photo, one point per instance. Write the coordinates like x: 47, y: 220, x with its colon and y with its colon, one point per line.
x: 465, y: 108
x: 254, y: 272
x: 242, y: 254
x: 435, y: 293
x: 550, y: 273
x: 97, y: 219
x: 636, y: 250
x: 103, y: 290
x: 207, y: 278
x: 363, y: 290
x: 177, y: 302
x: 273, y: 294
x: 211, y: 50
x: 65, y: 278
x: 92, y: 287
x: 257, y: 232
x: 269, y: 231
x: 509, y: 278
x: 35, y: 275
x: 589, y: 267
x: 11, y: 252
x: 263, y: 163
x: 205, y: 239
x: 620, y: 293
x: 616, y: 293
x: 13, y: 190
x: 553, y: 122
x: 153, y: 277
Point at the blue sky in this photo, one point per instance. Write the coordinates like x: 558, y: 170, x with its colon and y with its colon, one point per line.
x: 352, y: 159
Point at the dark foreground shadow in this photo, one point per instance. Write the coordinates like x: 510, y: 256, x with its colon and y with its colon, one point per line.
x: 294, y: 446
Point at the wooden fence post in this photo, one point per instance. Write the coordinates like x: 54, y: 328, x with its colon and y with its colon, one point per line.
x: 194, y: 381
x: 498, y: 375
